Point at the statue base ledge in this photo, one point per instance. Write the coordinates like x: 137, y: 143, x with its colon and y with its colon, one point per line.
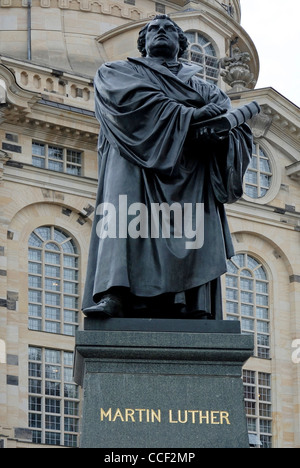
x: 163, y: 325
x: 162, y: 383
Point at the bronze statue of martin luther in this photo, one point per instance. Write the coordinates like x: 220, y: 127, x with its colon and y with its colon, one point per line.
x: 160, y: 238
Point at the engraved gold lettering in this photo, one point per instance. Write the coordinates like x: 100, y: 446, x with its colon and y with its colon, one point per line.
x: 225, y: 416
x: 185, y: 417
x: 193, y: 413
x: 118, y: 414
x: 104, y: 414
x: 155, y: 416
x: 214, y: 415
x: 171, y: 418
x: 201, y: 417
x: 140, y: 411
x: 129, y: 413
x: 145, y: 415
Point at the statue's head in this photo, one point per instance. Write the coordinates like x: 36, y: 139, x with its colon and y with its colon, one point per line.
x: 162, y: 37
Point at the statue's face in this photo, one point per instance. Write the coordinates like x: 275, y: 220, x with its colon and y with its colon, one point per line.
x: 162, y: 39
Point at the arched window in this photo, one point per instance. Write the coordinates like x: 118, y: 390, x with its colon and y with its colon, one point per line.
x: 247, y: 300
x: 258, y: 177
x: 202, y: 52
x: 53, y: 296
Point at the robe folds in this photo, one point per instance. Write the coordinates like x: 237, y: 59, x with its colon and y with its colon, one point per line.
x: 149, y: 157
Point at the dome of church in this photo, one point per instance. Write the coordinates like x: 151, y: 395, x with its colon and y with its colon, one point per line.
x: 77, y: 36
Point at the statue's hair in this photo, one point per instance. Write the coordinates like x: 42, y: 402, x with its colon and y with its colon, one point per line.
x: 183, y: 42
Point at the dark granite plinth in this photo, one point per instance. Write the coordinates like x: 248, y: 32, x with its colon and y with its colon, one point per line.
x: 162, y: 384
x: 163, y: 325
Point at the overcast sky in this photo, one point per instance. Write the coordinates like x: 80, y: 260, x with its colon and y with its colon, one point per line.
x: 274, y: 28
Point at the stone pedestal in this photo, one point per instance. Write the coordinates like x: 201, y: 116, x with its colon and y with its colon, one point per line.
x: 162, y: 383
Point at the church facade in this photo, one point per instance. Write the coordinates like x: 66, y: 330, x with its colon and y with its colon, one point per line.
x: 50, y: 51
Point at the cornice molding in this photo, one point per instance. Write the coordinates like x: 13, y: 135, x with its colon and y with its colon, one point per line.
x: 3, y: 96
x: 51, y: 180
x: 284, y: 115
x: 54, y: 85
x: 4, y: 157
x: 104, y: 7
x: 293, y: 171
x: 47, y: 123
x: 263, y: 214
x: 284, y: 126
x: 16, y: 95
x: 112, y: 8
x: 28, y: 109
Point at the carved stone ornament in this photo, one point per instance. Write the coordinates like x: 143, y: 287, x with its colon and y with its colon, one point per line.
x: 2, y: 93
x: 236, y: 72
x: 4, y: 157
x: 260, y: 124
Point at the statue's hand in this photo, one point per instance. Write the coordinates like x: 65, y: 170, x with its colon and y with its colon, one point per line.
x: 209, y: 134
x: 208, y: 112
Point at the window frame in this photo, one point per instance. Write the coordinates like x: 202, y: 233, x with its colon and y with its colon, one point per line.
x: 64, y: 159
x: 49, y: 416
x: 260, y: 154
x: 236, y: 294
x: 187, y: 57
x: 274, y: 161
x: 48, y: 306
x: 258, y: 405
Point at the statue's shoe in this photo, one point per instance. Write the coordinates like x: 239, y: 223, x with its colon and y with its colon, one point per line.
x: 110, y: 306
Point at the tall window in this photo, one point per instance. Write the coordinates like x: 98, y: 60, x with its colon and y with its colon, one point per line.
x: 53, y: 397
x: 247, y: 300
x: 258, y: 401
x: 53, y: 281
x: 56, y: 158
x: 258, y: 177
x: 202, y: 52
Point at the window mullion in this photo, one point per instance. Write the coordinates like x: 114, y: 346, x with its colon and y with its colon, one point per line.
x: 43, y: 288
x: 46, y: 156
x: 65, y: 159
x: 43, y: 375
x: 239, y: 294
x: 62, y: 408
x: 61, y: 290
x: 255, y: 315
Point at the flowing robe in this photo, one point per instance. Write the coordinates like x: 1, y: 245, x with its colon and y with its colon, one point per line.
x: 148, y: 155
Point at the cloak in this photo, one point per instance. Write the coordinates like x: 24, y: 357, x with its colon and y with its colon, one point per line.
x: 148, y: 157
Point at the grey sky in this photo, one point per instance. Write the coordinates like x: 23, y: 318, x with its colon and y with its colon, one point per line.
x: 274, y: 28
